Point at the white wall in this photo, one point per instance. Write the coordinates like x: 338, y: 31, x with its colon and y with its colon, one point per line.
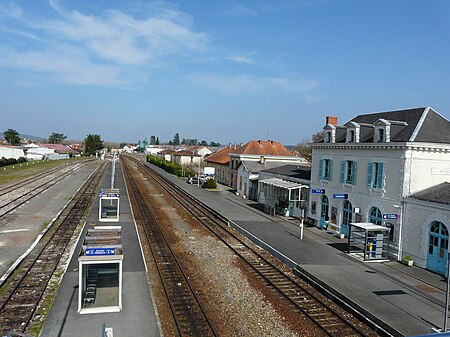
x: 9, y: 152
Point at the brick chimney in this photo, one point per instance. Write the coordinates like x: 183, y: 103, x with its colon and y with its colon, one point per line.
x: 331, y: 120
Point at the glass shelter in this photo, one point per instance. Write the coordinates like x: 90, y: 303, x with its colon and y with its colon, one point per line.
x: 100, y: 271
x: 108, y: 210
x: 368, y: 242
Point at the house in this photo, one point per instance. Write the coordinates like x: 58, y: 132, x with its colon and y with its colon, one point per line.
x: 285, y: 189
x: 429, y: 210
x: 202, y: 150
x: 166, y: 154
x: 186, y: 158
x: 245, y: 181
x: 14, y: 152
x: 220, y: 160
x: 363, y: 170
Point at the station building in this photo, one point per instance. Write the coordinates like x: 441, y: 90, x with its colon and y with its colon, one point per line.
x: 370, y: 168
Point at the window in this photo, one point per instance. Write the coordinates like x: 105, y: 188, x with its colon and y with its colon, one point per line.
x: 375, y: 175
x: 375, y: 216
x: 325, y: 169
x: 347, y: 212
x: 351, y: 136
x: 380, y: 135
x: 348, y: 172
x: 328, y: 137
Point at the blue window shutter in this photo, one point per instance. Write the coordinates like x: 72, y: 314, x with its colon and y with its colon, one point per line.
x: 343, y: 171
x: 369, y: 175
x: 354, y: 172
x: 330, y: 169
x: 321, y: 169
x: 380, y: 175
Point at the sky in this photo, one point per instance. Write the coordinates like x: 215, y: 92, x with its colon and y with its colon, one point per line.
x: 223, y: 71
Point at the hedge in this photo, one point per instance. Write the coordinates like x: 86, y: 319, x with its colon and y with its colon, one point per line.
x: 172, y: 168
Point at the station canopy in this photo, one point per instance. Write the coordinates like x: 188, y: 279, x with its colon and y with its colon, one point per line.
x: 369, y: 227
x: 277, y: 182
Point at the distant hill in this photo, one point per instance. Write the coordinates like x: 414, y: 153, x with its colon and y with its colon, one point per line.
x: 23, y: 136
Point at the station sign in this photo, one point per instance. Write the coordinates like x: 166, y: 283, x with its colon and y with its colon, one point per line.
x: 390, y: 216
x: 318, y: 191
x: 340, y: 196
x: 100, y: 251
x: 104, y: 193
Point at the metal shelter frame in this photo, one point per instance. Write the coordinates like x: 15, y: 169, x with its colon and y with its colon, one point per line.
x: 370, y: 240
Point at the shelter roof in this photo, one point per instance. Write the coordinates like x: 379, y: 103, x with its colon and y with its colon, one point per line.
x: 282, y: 183
x: 369, y: 226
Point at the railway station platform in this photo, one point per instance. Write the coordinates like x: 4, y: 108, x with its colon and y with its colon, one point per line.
x: 138, y: 316
x: 409, y: 300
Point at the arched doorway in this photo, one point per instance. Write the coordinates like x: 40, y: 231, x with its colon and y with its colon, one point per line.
x: 437, y: 248
x: 347, y: 211
x: 324, y: 206
x: 375, y: 216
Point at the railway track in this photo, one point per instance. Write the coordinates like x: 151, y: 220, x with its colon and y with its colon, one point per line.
x: 187, y: 311
x: 332, y: 321
x: 23, y: 182
x: 17, y: 194
x: 27, y: 286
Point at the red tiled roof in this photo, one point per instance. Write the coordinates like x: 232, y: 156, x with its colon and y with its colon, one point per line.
x: 222, y: 156
x: 262, y: 147
x: 186, y: 154
x: 58, y: 148
x: 168, y: 151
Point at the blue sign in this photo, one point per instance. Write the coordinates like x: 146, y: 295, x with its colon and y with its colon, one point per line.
x: 340, y: 196
x: 100, y: 251
x: 317, y: 191
x: 390, y: 216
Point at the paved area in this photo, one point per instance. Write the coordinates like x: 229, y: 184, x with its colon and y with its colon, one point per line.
x: 408, y: 299
x: 138, y: 317
x: 19, y: 229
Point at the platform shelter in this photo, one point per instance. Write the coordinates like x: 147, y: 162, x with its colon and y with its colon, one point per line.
x: 109, y: 202
x: 100, y: 271
x: 368, y: 241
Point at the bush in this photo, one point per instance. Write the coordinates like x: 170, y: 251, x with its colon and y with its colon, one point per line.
x: 10, y: 161
x: 210, y: 183
x: 172, y: 168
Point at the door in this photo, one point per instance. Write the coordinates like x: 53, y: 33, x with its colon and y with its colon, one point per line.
x: 324, y: 212
x: 437, y: 248
x: 346, y: 217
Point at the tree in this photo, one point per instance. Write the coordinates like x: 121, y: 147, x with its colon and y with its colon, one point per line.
x: 203, y: 143
x: 56, y: 138
x: 214, y: 144
x: 176, y: 139
x: 11, y: 136
x: 152, y: 140
x: 304, y: 150
x: 157, y: 141
x: 92, y: 144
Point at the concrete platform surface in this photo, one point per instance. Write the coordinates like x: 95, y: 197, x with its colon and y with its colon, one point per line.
x: 408, y: 299
x: 138, y: 316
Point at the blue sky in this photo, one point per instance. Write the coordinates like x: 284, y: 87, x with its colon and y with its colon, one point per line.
x: 223, y: 71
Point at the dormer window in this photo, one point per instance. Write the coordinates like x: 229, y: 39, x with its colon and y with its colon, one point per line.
x: 328, y: 137
x: 382, y: 131
x: 351, y: 136
x: 380, y: 135
x: 352, y: 132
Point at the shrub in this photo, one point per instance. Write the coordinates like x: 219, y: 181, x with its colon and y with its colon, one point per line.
x: 210, y: 183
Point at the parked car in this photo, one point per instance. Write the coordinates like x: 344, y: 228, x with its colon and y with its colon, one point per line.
x: 194, y: 181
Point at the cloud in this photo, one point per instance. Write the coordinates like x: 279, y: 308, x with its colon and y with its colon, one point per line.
x: 110, y: 47
x: 242, y: 11
x: 242, y: 84
x: 245, y: 59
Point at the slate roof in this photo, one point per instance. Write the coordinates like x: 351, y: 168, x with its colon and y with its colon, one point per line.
x: 256, y: 166
x: 222, y: 156
x: 294, y: 171
x: 423, y: 125
x: 264, y: 148
x: 439, y: 193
